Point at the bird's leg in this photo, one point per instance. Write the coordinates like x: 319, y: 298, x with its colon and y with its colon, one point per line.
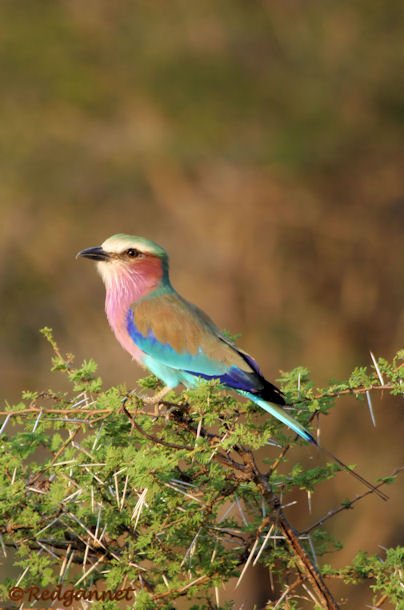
x: 156, y: 399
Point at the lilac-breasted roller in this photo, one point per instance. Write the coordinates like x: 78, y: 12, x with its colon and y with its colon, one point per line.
x: 172, y: 338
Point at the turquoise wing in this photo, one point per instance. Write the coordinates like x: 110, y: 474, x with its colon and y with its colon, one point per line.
x: 176, y: 334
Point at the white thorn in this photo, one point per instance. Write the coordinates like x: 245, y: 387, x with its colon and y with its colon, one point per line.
x: 282, y: 597
x: 97, y: 438
x: 267, y: 537
x: 98, y: 522
x: 372, y: 415
x: 5, y: 423
x: 46, y: 527
x: 37, y: 421
x: 247, y: 563
x: 86, y: 554
x: 118, y: 501
x: 45, y: 548
x: 89, y: 532
x: 125, y: 487
x: 377, y: 368
x: 316, y: 602
x: 313, y: 550
x: 22, y: 576
x: 89, y: 571
x: 240, y: 510
x: 139, y: 507
x: 3, y: 546
x: 65, y: 462
x: 73, y: 495
x: 63, y: 566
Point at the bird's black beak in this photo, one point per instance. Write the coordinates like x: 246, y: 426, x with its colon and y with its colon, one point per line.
x: 96, y: 254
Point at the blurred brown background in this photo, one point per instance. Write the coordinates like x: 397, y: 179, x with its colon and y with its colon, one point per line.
x: 261, y: 144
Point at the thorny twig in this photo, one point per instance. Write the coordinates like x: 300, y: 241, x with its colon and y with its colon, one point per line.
x: 349, y: 503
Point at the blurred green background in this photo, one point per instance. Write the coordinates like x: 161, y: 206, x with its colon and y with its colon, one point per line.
x: 261, y: 143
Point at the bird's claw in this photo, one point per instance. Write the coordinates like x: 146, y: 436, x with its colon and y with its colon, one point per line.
x: 156, y: 401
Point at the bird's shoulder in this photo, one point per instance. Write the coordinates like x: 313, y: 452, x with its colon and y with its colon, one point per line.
x: 167, y: 307
x: 172, y: 320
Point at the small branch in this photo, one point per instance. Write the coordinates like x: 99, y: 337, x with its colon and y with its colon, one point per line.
x: 347, y: 505
x: 151, y: 437
x: 58, y: 453
x: 33, y: 410
x: 358, y: 390
x: 381, y: 601
x: 284, y: 595
x: 182, y: 590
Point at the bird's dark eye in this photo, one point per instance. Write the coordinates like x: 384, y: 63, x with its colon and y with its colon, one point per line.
x: 132, y: 252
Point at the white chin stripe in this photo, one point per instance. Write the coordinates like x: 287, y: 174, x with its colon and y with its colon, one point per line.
x: 108, y: 270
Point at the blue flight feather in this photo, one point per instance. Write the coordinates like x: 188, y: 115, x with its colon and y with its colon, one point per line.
x: 280, y: 414
x: 233, y: 378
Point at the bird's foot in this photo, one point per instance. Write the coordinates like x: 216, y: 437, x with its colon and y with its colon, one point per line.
x: 156, y: 400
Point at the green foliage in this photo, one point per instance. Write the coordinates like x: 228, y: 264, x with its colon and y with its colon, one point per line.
x: 386, y: 573
x: 171, y: 504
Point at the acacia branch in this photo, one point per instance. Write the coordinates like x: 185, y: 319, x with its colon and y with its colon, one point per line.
x: 306, y: 567
x: 348, y: 504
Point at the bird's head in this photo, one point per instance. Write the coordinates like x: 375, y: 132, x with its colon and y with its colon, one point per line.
x: 129, y: 262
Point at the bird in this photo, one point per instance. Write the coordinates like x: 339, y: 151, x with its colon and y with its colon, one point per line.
x: 174, y: 339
